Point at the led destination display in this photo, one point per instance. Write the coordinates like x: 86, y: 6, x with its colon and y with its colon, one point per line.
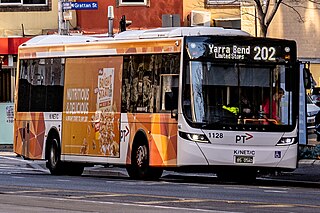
x: 242, y: 49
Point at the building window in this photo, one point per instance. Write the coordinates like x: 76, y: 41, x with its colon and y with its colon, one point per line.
x: 228, y: 23
x: 23, y: 2
x: 133, y: 2
x: 6, y: 2
x: 222, y: 2
x: 25, y: 5
x: 5, y: 85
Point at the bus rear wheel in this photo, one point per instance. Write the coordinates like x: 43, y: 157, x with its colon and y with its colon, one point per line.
x: 140, y: 168
x: 54, y: 163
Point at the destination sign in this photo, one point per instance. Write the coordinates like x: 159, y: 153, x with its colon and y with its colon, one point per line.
x: 239, y: 52
x: 249, y: 50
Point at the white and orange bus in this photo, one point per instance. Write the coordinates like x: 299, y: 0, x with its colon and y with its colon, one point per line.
x: 149, y: 100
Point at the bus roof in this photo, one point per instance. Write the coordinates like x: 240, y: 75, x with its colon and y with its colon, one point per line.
x: 168, y: 32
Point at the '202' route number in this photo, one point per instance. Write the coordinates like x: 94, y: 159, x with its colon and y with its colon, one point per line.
x: 264, y: 53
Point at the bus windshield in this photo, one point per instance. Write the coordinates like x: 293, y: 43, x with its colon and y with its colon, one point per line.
x: 236, y: 94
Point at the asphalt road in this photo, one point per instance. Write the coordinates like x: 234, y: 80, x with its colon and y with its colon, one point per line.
x: 25, y: 186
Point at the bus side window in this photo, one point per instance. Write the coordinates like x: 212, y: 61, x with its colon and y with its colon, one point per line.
x: 143, y: 82
x: 41, y: 85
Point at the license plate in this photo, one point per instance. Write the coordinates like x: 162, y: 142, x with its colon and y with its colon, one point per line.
x: 243, y: 159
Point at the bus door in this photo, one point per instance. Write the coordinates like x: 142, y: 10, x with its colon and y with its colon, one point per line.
x: 108, y: 107
x: 31, y: 102
x: 25, y: 138
x: 305, y: 83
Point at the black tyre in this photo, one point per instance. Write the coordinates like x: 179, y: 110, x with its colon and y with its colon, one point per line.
x: 139, y: 168
x: 54, y: 163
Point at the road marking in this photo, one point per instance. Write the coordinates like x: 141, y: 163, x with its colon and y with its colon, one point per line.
x: 8, y: 154
x: 275, y: 206
x: 32, y: 164
x: 31, y: 191
x: 17, y: 177
x: 275, y: 191
x: 62, y: 180
x: 98, y: 196
x: 169, y: 208
x: 198, y: 187
x: 173, y: 201
x: 13, y: 158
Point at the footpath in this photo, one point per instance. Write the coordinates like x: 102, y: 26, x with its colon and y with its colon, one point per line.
x: 308, y: 166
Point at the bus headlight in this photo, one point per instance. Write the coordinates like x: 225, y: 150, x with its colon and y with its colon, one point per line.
x: 200, y: 138
x: 286, y: 141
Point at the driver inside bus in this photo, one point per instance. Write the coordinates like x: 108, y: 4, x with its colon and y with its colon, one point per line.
x: 274, y: 109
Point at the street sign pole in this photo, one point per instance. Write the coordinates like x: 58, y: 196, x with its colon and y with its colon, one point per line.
x: 64, y: 6
x: 63, y: 25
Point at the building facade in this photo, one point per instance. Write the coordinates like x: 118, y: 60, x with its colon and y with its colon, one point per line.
x: 303, y: 26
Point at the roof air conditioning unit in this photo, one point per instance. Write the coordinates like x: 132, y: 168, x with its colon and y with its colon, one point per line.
x: 200, y: 18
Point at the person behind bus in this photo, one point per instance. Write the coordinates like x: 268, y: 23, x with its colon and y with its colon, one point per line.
x: 317, y: 124
x: 276, y: 97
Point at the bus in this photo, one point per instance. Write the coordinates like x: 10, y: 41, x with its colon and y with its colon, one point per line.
x: 183, y: 99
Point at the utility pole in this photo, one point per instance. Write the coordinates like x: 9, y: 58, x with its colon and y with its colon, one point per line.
x: 63, y: 25
x: 110, y: 21
x: 1, y: 61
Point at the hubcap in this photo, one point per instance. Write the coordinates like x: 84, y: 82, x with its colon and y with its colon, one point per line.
x: 142, y: 155
x: 53, y: 154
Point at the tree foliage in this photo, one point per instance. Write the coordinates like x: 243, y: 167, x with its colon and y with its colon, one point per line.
x: 266, y: 10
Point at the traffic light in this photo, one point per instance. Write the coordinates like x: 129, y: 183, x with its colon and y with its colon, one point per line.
x: 124, y: 23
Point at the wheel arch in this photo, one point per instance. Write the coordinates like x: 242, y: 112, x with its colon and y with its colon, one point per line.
x: 139, y: 168
x: 139, y: 138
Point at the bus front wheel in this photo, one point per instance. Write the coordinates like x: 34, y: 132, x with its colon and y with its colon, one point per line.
x: 139, y: 168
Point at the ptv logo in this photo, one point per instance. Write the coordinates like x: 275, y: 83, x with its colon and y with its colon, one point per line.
x: 243, y: 138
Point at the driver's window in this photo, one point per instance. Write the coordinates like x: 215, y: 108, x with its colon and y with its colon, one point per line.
x: 169, y: 84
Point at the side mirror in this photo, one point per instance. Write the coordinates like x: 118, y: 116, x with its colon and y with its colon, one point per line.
x: 169, y: 104
x: 307, y: 78
x: 289, y: 80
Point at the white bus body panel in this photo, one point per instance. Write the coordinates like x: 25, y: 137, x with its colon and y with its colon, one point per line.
x: 225, y: 145
x: 189, y: 154
x: 192, y: 153
x: 52, y: 120
x: 267, y: 156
